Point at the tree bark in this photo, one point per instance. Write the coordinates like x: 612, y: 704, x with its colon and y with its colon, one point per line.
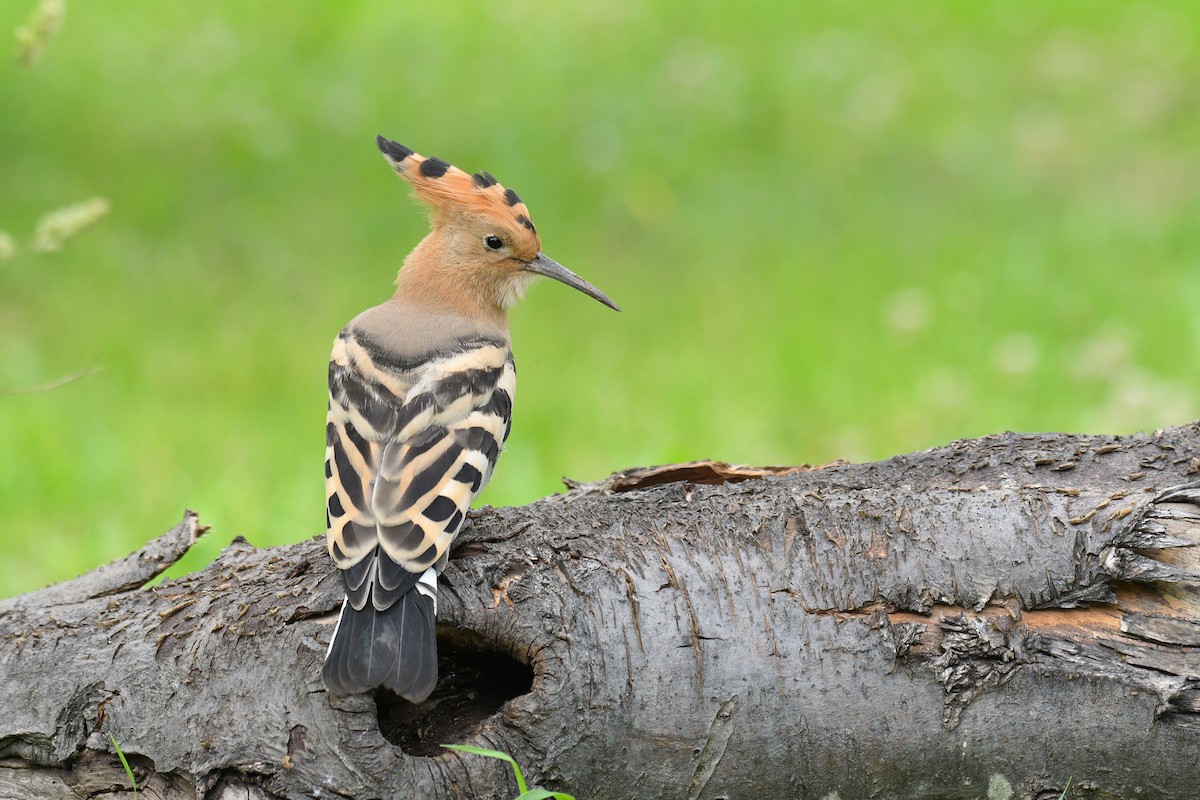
x: 989, y: 618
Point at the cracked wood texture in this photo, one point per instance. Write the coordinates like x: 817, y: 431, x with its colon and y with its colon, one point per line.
x: 991, y: 617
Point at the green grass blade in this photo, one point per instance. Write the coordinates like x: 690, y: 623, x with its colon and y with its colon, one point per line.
x: 541, y: 794
x: 480, y: 751
x: 125, y: 764
x: 1063, y: 796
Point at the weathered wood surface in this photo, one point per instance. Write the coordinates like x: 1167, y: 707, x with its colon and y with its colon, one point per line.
x: 984, y: 619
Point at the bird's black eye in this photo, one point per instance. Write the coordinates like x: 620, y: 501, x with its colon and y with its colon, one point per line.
x: 493, y: 243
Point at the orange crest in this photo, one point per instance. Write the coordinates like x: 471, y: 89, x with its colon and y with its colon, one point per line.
x: 450, y: 192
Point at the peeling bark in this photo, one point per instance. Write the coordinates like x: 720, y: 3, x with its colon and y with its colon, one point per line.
x: 991, y: 617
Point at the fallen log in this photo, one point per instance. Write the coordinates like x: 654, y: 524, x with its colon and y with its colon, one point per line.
x: 991, y: 618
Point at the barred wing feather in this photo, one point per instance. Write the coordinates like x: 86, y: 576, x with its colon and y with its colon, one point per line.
x: 409, y: 445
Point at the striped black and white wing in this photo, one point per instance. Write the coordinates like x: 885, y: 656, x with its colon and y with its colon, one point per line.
x: 409, y: 445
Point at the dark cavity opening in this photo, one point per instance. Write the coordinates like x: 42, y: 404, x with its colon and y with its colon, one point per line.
x: 473, y: 683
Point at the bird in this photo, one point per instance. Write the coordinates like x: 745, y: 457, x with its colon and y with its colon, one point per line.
x: 421, y: 392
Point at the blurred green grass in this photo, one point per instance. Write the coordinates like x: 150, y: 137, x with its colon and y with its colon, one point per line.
x: 837, y: 229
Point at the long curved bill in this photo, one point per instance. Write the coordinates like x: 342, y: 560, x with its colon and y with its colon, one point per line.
x: 543, y: 265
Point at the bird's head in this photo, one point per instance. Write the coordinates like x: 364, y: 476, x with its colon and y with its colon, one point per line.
x: 483, y: 249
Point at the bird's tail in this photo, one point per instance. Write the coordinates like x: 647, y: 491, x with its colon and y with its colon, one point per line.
x: 395, y: 648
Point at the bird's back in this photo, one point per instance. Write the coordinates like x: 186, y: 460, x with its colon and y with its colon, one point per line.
x: 415, y: 427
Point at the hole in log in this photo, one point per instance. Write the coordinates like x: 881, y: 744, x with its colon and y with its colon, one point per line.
x: 473, y: 683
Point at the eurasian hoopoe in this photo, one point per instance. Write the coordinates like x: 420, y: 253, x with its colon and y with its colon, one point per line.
x: 420, y: 403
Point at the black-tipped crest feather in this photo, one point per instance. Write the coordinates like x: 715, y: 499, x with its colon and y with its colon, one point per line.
x: 393, y: 150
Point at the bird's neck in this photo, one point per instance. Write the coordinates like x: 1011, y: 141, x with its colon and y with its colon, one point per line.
x: 433, y: 278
